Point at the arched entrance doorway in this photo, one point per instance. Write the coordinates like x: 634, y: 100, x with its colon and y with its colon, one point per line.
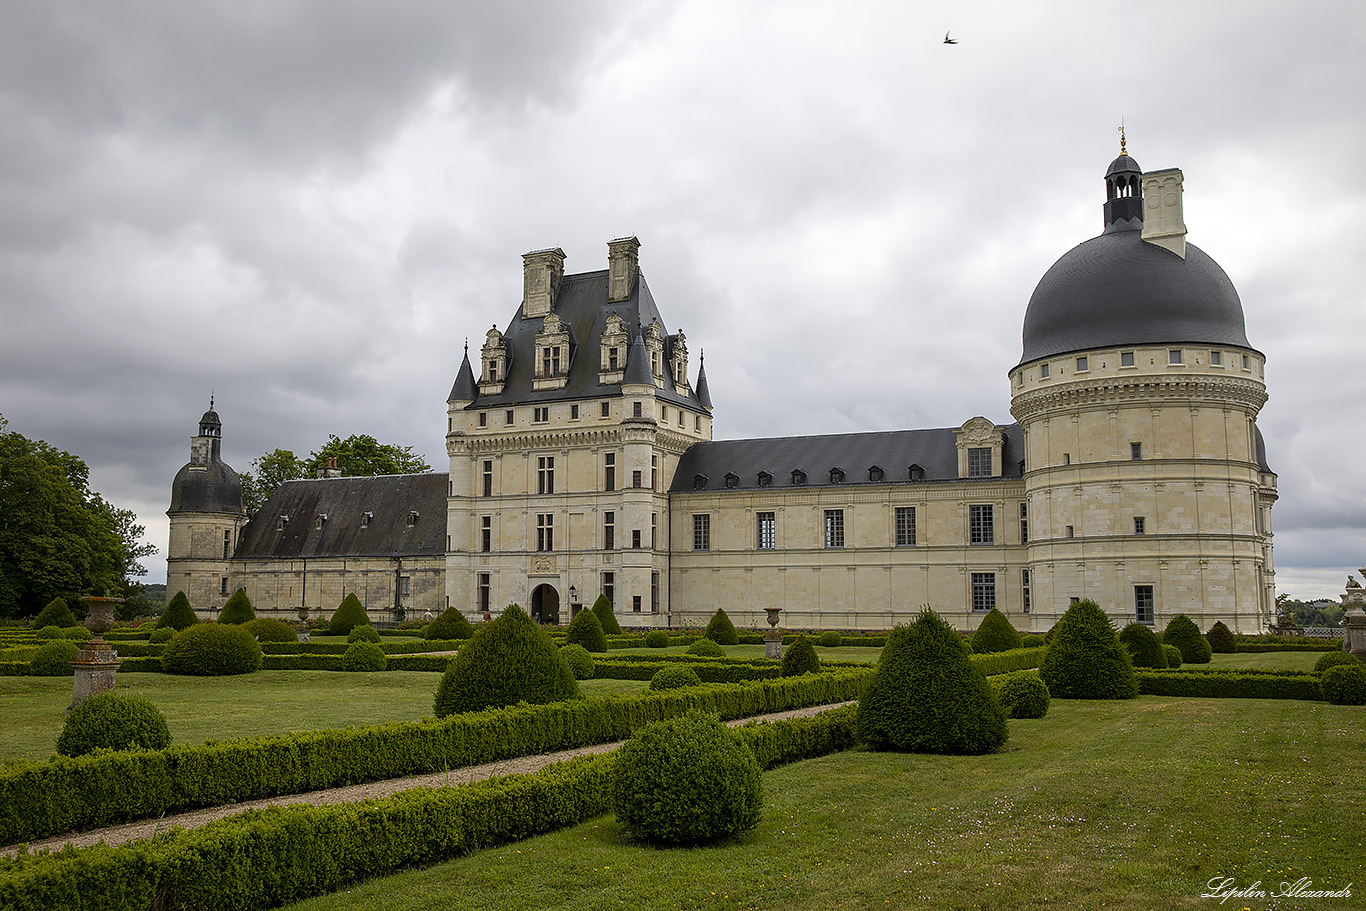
x: 545, y: 603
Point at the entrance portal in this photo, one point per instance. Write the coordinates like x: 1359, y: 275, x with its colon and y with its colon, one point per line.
x: 545, y: 603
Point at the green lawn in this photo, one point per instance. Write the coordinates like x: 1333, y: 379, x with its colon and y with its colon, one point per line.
x: 1120, y: 805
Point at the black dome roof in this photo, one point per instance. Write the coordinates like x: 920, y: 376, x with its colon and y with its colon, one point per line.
x: 214, y: 487
x: 1117, y: 289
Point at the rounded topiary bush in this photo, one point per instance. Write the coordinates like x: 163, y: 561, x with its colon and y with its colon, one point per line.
x: 602, y: 608
x: 1144, y: 648
x: 1182, y: 632
x: 830, y: 639
x: 656, y: 638
x: 686, y: 780
x: 450, y: 625
x: 1032, y: 641
x: 1220, y: 639
x: 364, y: 633
x: 509, y: 660
x: 77, y: 634
x: 113, y: 721
x: 994, y: 634
x: 800, y: 658
x: 705, y: 648
x: 720, y: 630
x: 53, y: 659
x: 237, y: 609
x: 928, y: 697
x: 267, y: 630
x: 161, y: 635
x: 1345, y: 684
x: 1173, y: 655
x: 348, y: 615
x: 56, y: 613
x: 1023, y: 694
x: 364, y: 656
x: 50, y: 632
x: 580, y: 662
x: 1334, y: 659
x: 1085, y: 659
x: 671, y: 678
x: 212, y: 650
x: 586, y: 630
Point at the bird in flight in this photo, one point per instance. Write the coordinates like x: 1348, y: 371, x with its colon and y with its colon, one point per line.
x: 948, y: 40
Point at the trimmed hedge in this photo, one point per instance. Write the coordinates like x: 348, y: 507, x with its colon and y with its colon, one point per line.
x: 706, y: 649
x: 348, y: 615
x: 657, y: 638
x: 800, y: 658
x: 674, y: 677
x: 1334, y: 659
x: 580, y: 662
x: 363, y: 656
x: 1220, y: 639
x: 508, y: 661
x: 212, y: 650
x: 237, y: 609
x: 586, y: 630
x: 829, y: 639
x: 994, y: 634
x: 1344, y: 684
x: 56, y: 613
x: 362, y: 633
x: 1182, y: 632
x: 720, y: 630
x: 1173, y: 656
x: 54, y: 658
x: 113, y: 721
x: 1022, y: 694
x: 1085, y: 659
x: 1144, y: 647
x: 178, y: 613
x: 450, y: 625
x: 1235, y: 685
x: 603, y: 609
x: 269, y: 630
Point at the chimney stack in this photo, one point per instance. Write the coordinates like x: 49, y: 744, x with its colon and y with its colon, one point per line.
x: 1163, y: 222
x: 541, y: 274
x: 623, y: 260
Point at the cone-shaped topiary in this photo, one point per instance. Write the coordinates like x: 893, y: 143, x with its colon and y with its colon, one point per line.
x: 508, y: 661
x: 56, y: 613
x: 1173, y: 655
x: 671, y: 678
x: 1345, y: 684
x: 928, y: 697
x: 363, y: 633
x: 994, y: 634
x: 705, y: 648
x: 212, y: 650
x: 720, y: 630
x: 1220, y: 639
x: 800, y: 658
x: 348, y: 615
x: 1182, y: 632
x: 450, y: 625
x: 178, y: 613
x: 1333, y: 659
x: 586, y: 630
x: 603, y: 609
x: 686, y: 780
x: 267, y: 630
x: 580, y: 662
x: 364, y: 656
x: 1085, y: 660
x: 54, y: 658
x: 113, y: 721
x: 1144, y: 648
x: 1022, y: 694
x: 237, y: 609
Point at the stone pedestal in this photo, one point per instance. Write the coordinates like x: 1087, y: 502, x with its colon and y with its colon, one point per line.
x: 1354, y: 626
x: 97, y: 664
x: 773, y: 639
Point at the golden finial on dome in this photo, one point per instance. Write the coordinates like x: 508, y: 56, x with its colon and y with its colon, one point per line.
x: 1122, y: 149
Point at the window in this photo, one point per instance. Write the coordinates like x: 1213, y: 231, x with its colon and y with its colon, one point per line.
x: 1067, y: 458
x: 837, y: 476
x: 612, y: 358
x: 701, y: 532
x: 765, y: 479
x: 1135, y: 451
x: 699, y: 482
x: 322, y: 520
x: 1043, y: 371
x: 916, y: 473
x: 545, y: 531
x: 732, y: 479
x: 905, y: 526
x: 697, y: 423
x: 412, y: 517
x: 605, y: 409
x: 635, y: 478
x: 545, y: 474
x: 483, y: 419
x: 1140, y: 525
x: 983, y: 592
x: 876, y: 474
x: 484, y: 585
x: 540, y: 415
x: 1216, y: 358
x: 979, y: 462
x: 282, y: 524
x: 654, y: 593
x: 636, y: 409
x: 609, y: 480
x: 227, y: 544
x: 223, y: 585
x: 1024, y: 589
x: 654, y: 529
x: 573, y: 412
x: 654, y: 472
x: 1126, y: 359
x: 834, y: 528
x: 1174, y: 356
x: 485, y: 534
x: 766, y: 527
x: 365, y: 519
x: 635, y: 604
x: 981, y: 525
x: 664, y: 413
x: 635, y: 539
x: 488, y: 477
x: 1069, y: 531
x: 609, y: 530
x: 1024, y: 523
x: 1247, y: 362
x: 1143, y: 604
x: 609, y: 585
x: 1083, y: 364
x: 798, y: 477
x: 405, y: 586
x: 507, y: 416
x: 550, y: 360
x: 493, y: 371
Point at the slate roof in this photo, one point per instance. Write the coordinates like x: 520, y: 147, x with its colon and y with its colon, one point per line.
x: 389, y: 499
x: 893, y: 451
x: 214, y: 487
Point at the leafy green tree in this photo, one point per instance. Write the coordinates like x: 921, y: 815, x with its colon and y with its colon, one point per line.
x: 720, y: 630
x: 1085, y: 660
x: 994, y: 634
x: 267, y: 473
x: 603, y: 608
x: 586, y: 630
x: 357, y: 456
x: 348, y: 615
x: 237, y: 609
x: 178, y: 614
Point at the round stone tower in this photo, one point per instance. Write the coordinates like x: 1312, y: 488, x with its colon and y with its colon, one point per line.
x: 1137, y: 391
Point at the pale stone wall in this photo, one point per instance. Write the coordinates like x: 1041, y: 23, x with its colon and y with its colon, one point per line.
x: 279, y: 588
x: 195, y: 561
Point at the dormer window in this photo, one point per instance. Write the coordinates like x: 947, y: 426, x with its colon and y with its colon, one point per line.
x: 552, y: 354
x: 365, y: 519
x: 494, y: 357
x: 282, y: 524
x: 875, y: 473
x: 798, y: 477
x: 837, y: 476
x: 322, y: 520
x: 732, y: 479
x: 916, y: 473
x: 412, y: 518
x: 699, y: 482
x: 612, y: 358
x: 765, y: 479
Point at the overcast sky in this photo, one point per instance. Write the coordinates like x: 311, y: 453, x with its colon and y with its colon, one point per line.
x: 305, y: 208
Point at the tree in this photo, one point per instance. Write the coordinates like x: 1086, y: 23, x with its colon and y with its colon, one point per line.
x: 1085, y: 660
x: 508, y: 661
x: 357, y: 456
x: 995, y: 634
x: 348, y: 615
x: 720, y: 630
x: 603, y: 608
x: 267, y: 473
x: 237, y: 609
x: 586, y: 630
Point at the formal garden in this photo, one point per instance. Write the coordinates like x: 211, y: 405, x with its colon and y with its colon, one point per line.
x: 1094, y: 767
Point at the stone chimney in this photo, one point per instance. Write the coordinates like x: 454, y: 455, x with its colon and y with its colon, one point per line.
x: 542, y: 271
x: 1163, y: 222
x: 330, y: 470
x: 623, y: 263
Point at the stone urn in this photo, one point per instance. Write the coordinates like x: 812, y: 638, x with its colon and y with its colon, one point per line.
x: 302, y: 627
x: 773, y: 639
x: 96, y: 665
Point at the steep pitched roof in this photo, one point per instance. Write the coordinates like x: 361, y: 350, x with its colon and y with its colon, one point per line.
x: 464, y: 389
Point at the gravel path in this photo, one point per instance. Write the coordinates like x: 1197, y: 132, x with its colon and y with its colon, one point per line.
x: 117, y: 835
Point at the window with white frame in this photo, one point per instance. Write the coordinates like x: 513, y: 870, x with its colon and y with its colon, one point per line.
x: 701, y: 531
x: 834, y: 528
x: 905, y: 526
x: 1143, y: 604
x: 766, y: 528
x: 981, y: 524
x: 979, y: 462
x: 983, y: 592
x: 545, y: 531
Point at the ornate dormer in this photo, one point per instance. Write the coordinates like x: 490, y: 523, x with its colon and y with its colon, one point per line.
x: 494, y: 358
x: 615, y: 345
x: 678, y: 362
x: 552, y: 355
x: 654, y: 346
x: 979, y: 448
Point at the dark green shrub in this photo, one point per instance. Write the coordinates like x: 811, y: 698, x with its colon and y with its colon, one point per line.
x: 54, y: 658
x: 995, y: 634
x: 363, y: 633
x: 348, y: 615
x: 1022, y: 694
x: 830, y: 639
x: 1334, y: 659
x: 50, y: 632
x: 602, y: 608
x: 1085, y: 659
x: 364, y: 656
x: 178, y: 613
x: 161, y: 635
x: 686, y: 780
x: 1032, y: 641
x: 237, y: 609
x: 586, y: 630
x: 656, y: 638
x: 800, y: 658
x: 77, y: 634
x: 673, y: 677
x: 1230, y: 683
x: 1182, y: 632
x: 212, y: 650
x: 266, y: 630
x: 927, y: 696
x: 705, y: 648
x: 56, y: 613
x: 509, y: 660
x: 580, y: 662
x: 450, y: 625
x: 1173, y: 655
x: 720, y: 630
x: 113, y: 721
x: 1220, y: 639
x: 1144, y: 648
x: 1345, y: 684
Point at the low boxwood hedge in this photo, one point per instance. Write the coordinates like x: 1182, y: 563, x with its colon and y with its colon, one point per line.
x: 1230, y: 685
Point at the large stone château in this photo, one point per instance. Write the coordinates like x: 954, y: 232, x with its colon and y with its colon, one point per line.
x: 582, y: 462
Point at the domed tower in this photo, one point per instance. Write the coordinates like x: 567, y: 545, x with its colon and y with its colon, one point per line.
x: 1137, y: 391
x: 206, y: 514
